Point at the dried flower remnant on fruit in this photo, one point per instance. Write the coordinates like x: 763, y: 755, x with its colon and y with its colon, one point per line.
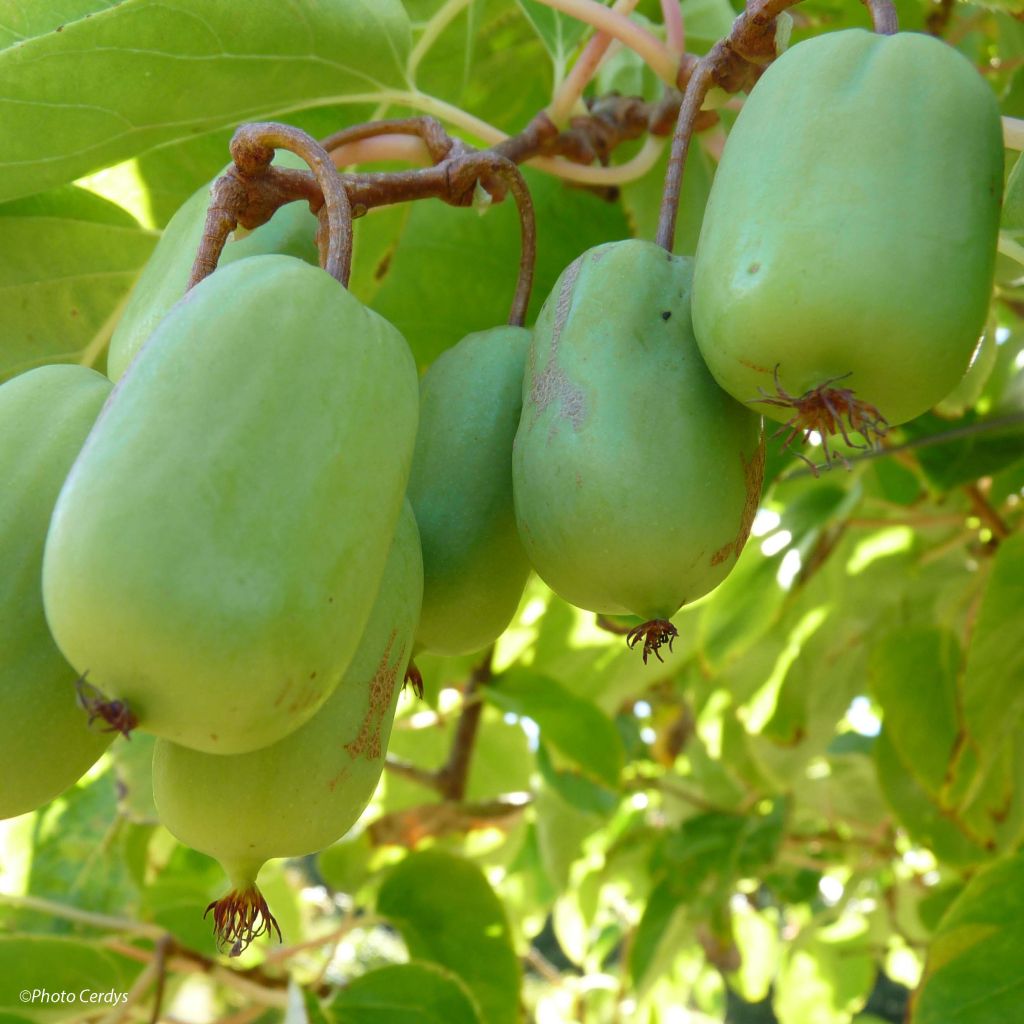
x: 823, y: 409
x: 240, y: 917
x: 413, y: 678
x: 116, y: 713
x: 655, y: 635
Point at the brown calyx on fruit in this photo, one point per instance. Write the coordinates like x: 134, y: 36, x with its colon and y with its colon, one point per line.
x: 116, y: 713
x: 655, y: 634
x: 829, y: 411
x: 414, y: 679
x: 240, y: 917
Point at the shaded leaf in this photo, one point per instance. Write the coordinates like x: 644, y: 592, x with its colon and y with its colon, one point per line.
x: 414, y: 993
x: 449, y: 914
x: 67, y: 261
x: 973, y: 975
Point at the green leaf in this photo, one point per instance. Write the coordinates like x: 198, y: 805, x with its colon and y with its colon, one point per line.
x: 442, y: 272
x: 414, y: 993
x: 923, y: 819
x: 571, y: 724
x: 993, y: 683
x: 71, y: 101
x: 662, y: 916
x: 914, y: 679
x: 559, y: 32
x: 80, y: 847
x: 826, y: 977
x: 448, y: 913
x: 52, y: 973
x: 67, y: 260
x: 1013, y: 199
x: 972, y: 974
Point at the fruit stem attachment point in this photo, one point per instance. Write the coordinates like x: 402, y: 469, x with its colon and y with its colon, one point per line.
x: 240, y: 917
x: 735, y: 63
x: 252, y: 148
x: 884, y: 18
x: 823, y: 409
x: 116, y: 713
x: 252, y: 189
x: 655, y: 634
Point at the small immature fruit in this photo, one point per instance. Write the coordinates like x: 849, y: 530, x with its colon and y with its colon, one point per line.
x: 215, y: 552
x: 460, y: 488
x: 45, y: 742
x: 636, y: 477
x: 845, y: 261
x: 301, y: 794
x: 291, y: 231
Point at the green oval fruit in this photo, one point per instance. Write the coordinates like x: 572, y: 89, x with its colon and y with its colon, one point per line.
x: 851, y: 229
x: 460, y: 488
x: 45, y: 742
x: 636, y: 477
x: 291, y: 232
x: 215, y: 551
x: 304, y: 792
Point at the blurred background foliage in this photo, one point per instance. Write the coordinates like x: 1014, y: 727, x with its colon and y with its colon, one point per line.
x: 811, y: 810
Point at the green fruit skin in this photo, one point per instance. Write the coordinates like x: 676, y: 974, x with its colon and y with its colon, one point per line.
x: 852, y: 225
x: 214, y: 553
x: 304, y: 792
x: 45, y: 743
x: 291, y: 231
x: 635, y: 476
x: 460, y: 488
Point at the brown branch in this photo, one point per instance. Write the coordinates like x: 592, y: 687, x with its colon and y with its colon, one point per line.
x: 452, y: 777
x: 983, y: 509
x: 410, y: 826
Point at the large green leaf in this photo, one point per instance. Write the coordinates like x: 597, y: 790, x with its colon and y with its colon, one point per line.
x: 914, y: 677
x: 448, y: 913
x: 48, y: 976
x: 122, y: 78
x: 973, y: 973
x: 415, y: 993
x: 441, y: 272
x: 573, y: 725
x: 559, y: 32
x: 993, y: 683
x: 67, y: 260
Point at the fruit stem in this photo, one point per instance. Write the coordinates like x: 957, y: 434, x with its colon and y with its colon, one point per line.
x: 252, y: 148
x: 884, y: 18
x: 735, y: 63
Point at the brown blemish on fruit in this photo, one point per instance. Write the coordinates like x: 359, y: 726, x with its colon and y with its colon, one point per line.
x: 754, y: 366
x: 382, y: 687
x: 667, y: 315
x: 551, y: 384
x: 753, y: 478
x: 283, y: 694
x: 753, y: 268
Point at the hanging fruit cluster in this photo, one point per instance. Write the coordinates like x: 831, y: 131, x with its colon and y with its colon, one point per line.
x: 241, y: 546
